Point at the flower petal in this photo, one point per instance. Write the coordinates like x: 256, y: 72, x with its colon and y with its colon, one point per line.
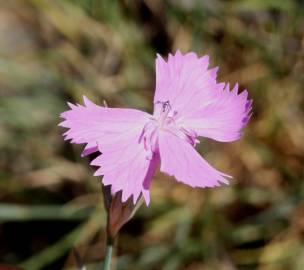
x: 125, y: 166
x: 181, y: 78
x: 181, y: 160
x: 93, y: 124
x: 222, y: 117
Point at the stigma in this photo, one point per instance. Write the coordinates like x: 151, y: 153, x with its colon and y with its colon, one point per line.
x: 163, y: 114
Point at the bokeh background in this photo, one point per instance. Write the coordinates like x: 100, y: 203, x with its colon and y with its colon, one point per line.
x: 55, y: 51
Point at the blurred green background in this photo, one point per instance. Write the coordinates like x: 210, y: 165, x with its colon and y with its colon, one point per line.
x: 52, y: 52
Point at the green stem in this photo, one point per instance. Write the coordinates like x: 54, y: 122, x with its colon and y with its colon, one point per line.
x: 108, y: 255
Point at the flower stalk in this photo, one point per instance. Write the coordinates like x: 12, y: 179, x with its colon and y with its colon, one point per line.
x: 118, y: 214
x: 108, y: 254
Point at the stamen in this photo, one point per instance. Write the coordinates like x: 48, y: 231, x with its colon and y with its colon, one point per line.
x: 164, y: 118
x: 166, y: 105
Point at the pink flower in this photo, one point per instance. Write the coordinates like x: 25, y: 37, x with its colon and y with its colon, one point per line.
x: 188, y: 104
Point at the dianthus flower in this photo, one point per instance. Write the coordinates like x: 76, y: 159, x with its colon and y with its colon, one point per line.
x: 188, y: 103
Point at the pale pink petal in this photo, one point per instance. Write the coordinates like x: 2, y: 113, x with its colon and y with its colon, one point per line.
x: 181, y: 78
x: 125, y: 166
x: 91, y: 123
x: 181, y: 160
x: 222, y: 117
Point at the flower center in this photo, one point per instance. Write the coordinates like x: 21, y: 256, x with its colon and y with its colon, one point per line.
x: 163, y: 119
